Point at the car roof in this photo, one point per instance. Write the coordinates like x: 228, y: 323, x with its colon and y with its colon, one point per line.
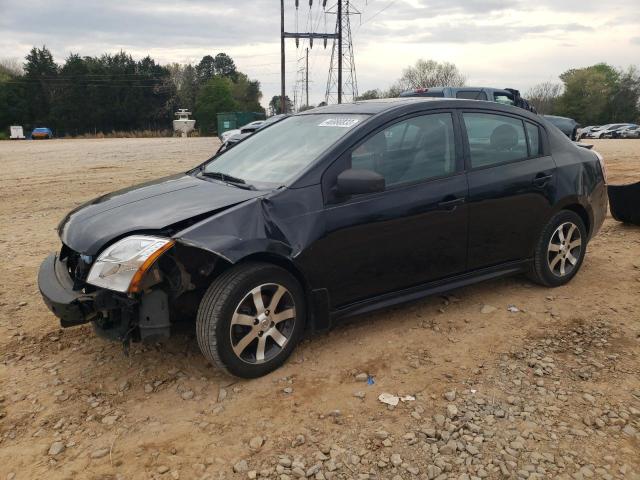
x: 455, y: 90
x: 557, y: 116
x: 369, y: 107
x: 378, y: 106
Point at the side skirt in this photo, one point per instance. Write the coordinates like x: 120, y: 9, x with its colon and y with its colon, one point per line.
x: 428, y: 289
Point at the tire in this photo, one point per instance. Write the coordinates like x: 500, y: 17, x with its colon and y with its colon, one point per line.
x: 238, y: 336
x: 548, y: 269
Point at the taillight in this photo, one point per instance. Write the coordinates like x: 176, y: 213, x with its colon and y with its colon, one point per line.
x: 602, y: 165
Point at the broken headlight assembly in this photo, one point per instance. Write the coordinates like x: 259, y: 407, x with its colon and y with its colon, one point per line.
x: 122, y: 266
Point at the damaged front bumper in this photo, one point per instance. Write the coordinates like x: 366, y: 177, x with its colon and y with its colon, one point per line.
x: 115, y: 316
x: 56, y: 287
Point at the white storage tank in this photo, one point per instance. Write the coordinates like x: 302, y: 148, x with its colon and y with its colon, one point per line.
x: 17, y: 133
x: 183, y: 125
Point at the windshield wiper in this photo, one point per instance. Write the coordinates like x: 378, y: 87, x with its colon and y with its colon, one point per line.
x: 230, y: 179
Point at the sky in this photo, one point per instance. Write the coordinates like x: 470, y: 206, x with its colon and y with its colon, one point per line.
x: 497, y: 43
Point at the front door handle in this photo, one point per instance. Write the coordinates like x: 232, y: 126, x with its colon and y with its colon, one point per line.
x: 542, y: 179
x: 451, y: 204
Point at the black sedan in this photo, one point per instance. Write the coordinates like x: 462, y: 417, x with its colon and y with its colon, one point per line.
x: 334, y: 212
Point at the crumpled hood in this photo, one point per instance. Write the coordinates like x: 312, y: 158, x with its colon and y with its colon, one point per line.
x: 149, y: 206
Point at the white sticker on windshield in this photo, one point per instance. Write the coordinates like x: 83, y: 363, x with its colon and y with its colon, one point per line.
x: 339, y: 122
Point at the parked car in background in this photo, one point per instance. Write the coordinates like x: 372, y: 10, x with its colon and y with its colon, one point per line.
x: 629, y: 132
x: 584, y: 131
x: 232, y: 141
x: 228, y: 134
x: 617, y: 133
x: 505, y: 96
x: 248, y: 128
x: 606, y: 131
x: 568, y: 126
x: 244, y: 133
x: 337, y: 211
x: 593, y: 131
x: 41, y: 133
x: 252, y: 126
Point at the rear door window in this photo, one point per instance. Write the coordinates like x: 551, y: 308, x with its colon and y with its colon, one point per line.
x: 494, y: 139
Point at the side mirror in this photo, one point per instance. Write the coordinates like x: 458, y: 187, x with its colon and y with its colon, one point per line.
x: 355, y: 182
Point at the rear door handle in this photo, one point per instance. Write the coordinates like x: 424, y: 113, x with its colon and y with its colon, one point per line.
x: 542, y: 179
x: 451, y: 204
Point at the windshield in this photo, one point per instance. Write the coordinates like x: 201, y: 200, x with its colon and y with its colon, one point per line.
x: 277, y: 154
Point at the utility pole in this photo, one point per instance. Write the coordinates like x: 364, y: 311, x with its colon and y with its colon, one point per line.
x: 306, y: 76
x: 282, y: 62
x: 339, y: 51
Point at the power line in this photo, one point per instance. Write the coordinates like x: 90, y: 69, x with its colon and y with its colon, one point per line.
x: 389, y: 5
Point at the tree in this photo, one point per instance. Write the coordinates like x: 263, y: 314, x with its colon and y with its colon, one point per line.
x: 183, y: 80
x: 544, y: 97
x: 216, y: 96
x: 224, y: 66
x: 205, y: 70
x: 116, y: 92
x: 40, y: 72
x: 429, y: 73
x: 188, y: 88
x: 588, y: 94
x: 625, y: 104
x: 69, y: 108
x: 275, y: 106
x: 11, y: 67
x: 370, y: 95
x: 247, y: 93
x: 13, y: 104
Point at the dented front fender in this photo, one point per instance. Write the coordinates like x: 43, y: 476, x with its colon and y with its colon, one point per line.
x: 260, y: 225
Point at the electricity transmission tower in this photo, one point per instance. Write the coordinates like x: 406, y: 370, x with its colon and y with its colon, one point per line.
x: 297, y: 36
x: 342, y: 84
x: 301, y: 90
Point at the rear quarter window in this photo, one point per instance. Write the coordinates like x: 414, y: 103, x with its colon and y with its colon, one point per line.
x: 535, y: 139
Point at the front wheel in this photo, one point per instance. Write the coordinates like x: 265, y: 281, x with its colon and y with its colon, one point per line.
x: 250, y: 319
x: 560, y: 250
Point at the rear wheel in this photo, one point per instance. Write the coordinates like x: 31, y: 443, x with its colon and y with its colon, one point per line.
x: 560, y: 250
x: 250, y: 319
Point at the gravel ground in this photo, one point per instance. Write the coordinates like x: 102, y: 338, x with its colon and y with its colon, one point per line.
x: 548, y: 389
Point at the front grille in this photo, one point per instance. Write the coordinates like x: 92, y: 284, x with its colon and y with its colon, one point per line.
x: 78, y: 266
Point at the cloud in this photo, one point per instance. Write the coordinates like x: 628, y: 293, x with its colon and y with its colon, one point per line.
x: 389, y: 35
x: 478, y: 33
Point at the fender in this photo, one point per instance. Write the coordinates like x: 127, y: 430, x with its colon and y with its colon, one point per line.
x: 259, y: 226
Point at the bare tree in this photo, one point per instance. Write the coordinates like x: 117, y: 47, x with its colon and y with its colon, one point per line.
x: 429, y: 73
x: 544, y: 96
x: 11, y: 66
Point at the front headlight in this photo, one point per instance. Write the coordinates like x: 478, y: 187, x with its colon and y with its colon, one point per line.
x: 121, y: 266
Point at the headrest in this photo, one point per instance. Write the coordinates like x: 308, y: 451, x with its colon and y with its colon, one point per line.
x: 504, y: 137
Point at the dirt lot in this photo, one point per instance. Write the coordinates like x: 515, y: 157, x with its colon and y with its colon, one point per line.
x: 549, y: 391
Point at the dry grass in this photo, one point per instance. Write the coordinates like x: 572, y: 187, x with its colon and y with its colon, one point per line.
x: 128, y: 134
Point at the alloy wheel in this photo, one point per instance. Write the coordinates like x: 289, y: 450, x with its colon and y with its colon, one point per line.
x: 564, y: 250
x: 262, y: 323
